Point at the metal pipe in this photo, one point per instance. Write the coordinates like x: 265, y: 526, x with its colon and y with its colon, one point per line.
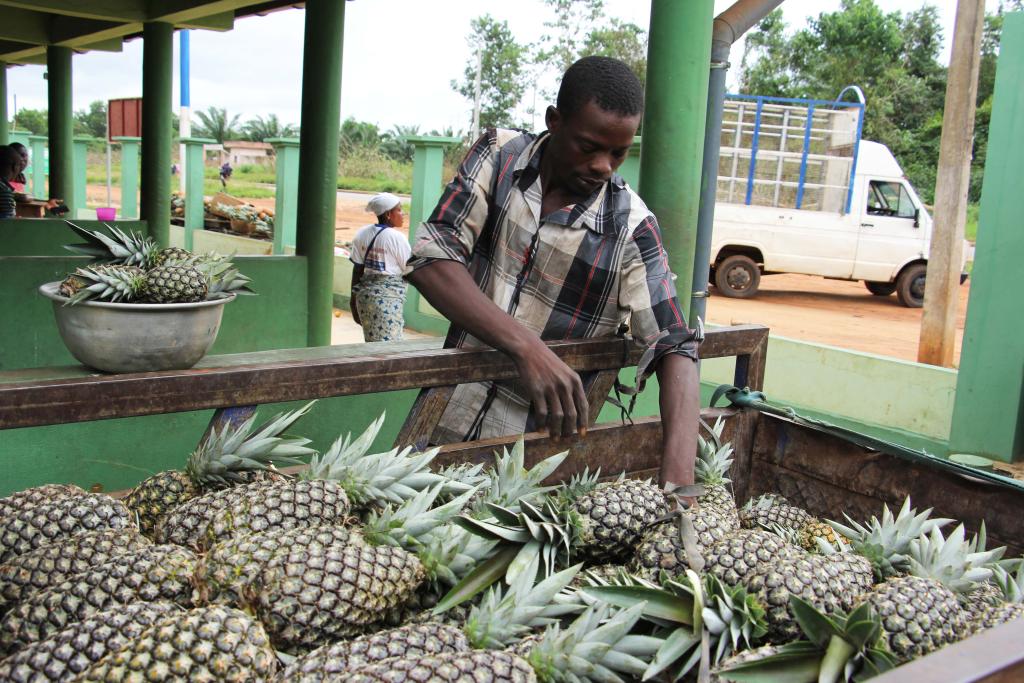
x: 726, y: 29
x: 3, y: 104
x: 157, y: 89
x: 60, y: 127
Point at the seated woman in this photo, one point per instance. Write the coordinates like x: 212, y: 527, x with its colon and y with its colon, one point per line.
x: 19, y: 181
x: 10, y: 167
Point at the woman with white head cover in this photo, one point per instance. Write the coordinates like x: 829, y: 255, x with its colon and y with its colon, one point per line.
x: 379, y: 253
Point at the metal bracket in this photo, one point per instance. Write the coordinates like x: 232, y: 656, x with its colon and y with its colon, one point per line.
x: 701, y: 295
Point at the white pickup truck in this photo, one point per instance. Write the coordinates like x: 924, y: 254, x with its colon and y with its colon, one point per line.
x: 800, y: 192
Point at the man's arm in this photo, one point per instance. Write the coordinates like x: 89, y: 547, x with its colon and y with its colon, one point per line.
x: 357, y: 275
x: 554, y: 389
x: 680, y: 411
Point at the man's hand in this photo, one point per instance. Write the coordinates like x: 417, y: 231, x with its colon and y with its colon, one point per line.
x: 555, y: 390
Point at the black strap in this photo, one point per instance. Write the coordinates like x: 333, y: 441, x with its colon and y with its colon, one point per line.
x: 366, y: 253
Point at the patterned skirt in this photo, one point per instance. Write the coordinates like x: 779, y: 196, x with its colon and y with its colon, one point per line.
x: 380, y: 299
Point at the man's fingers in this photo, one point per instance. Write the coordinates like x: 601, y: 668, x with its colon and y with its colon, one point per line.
x: 569, y: 414
x: 582, y: 407
x: 540, y: 406
x: 555, y: 413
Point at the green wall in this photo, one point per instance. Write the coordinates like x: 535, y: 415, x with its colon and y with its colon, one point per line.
x: 47, y: 237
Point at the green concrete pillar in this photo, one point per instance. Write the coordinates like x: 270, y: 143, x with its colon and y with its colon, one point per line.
x: 427, y: 185
x: 630, y: 169
x: 37, y: 165
x: 318, y: 160
x: 988, y: 412
x: 60, y: 125
x: 195, y: 161
x: 157, y: 79
x: 3, y: 104
x: 81, y: 146
x: 129, y: 176
x: 286, y: 194
x: 674, y: 111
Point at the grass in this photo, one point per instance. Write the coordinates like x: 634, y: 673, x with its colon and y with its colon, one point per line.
x: 971, y: 227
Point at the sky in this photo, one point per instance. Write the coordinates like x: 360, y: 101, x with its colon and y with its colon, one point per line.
x: 400, y: 57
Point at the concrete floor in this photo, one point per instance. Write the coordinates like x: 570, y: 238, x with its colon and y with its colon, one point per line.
x: 344, y: 330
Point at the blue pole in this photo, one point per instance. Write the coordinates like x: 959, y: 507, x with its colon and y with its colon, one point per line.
x: 803, y: 158
x: 753, y: 151
x: 183, y: 43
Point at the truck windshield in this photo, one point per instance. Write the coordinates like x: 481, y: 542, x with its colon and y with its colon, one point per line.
x: 887, y: 198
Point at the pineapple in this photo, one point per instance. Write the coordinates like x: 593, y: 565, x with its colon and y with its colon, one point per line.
x: 17, y: 502
x: 1009, y: 605
x: 51, y: 522
x: 833, y: 647
x: 70, y: 286
x: 203, y: 644
x: 770, y: 509
x: 235, y: 454
x: 313, y: 596
x: 237, y: 562
x: 608, y: 522
x: 202, y: 522
x: 332, y: 661
x: 713, y: 463
x: 735, y: 558
x: 153, y: 573
x: 52, y: 564
x: 170, y: 284
x: 454, y: 667
x: 112, y: 282
x: 171, y: 255
x: 812, y: 531
x: 920, y: 611
x: 72, y: 650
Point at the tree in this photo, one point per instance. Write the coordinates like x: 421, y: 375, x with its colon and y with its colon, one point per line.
x: 621, y: 40
x: 214, y: 123
x: 33, y: 120
x: 259, y: 129
x: 503, y: 73
x: 394, y: 143
x: 92, y: 121
x: 357, y: 135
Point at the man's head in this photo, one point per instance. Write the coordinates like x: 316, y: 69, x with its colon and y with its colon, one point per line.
x: 597, y: 113
x: 22, y: 153
x: 10, y: 163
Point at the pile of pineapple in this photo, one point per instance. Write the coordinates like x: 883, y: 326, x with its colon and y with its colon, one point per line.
x: 131, y: 268
x: 356, y: 566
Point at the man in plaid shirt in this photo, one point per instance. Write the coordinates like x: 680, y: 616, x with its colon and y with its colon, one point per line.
x: 537, y: 238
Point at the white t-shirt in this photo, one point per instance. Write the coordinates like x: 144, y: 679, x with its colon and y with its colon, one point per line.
x: 390, y: 250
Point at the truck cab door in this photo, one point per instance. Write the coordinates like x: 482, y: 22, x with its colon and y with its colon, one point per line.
x: 889, y: 233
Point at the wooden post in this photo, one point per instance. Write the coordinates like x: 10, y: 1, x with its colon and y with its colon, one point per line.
x: 194, y: 166
x: 129, y: 175
x: 78, y: 181
x: 60, y: 124
x: 38, y: 158
x: 941, y: 294
x: 157, y: 81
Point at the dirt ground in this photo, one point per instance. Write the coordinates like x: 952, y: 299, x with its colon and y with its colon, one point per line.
x: 834, y: 312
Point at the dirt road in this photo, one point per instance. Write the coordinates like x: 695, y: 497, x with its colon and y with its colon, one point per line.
x: 832, y: 312
x: 842, y: 314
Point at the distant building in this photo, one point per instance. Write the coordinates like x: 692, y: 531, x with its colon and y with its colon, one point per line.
x: 241, y: 152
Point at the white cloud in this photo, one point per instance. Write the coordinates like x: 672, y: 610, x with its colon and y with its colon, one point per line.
x: 399, y: 59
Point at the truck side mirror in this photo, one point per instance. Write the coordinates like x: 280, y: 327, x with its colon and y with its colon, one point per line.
x: 917, y: 218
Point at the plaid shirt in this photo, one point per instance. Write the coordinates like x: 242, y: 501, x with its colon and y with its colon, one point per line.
x: 579, y: 272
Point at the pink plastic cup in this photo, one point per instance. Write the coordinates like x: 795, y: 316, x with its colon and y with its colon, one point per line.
x: 105, y: 213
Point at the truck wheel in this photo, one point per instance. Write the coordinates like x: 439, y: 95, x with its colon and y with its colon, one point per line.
x: 880, y: 288
x: 737, y: 277
x: 910, y: 286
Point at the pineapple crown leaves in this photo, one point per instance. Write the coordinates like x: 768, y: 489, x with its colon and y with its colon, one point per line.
x: 124, y: 247
x: 579, y: 485
x: 390, y: 477
x: 979, y: 544
x: 510, y: 481
x: 502, y: 618
x: 457, y: 550
x: 714, y: 458
x: 1011, y: 585
x: 885, y: 542
x: 949, y: 560
x: 409, y: 524
x: 597, y: 646
x: 224, y: 455
x: 736, y: 618
x: 835, y: 647
x: 108, y: 283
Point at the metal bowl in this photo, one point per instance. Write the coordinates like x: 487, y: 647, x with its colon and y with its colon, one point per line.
x: 136, y: 337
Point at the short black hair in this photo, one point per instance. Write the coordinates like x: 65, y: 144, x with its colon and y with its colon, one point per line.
x: 609, y: 82
x: 10, y: 159
x: 18, y: 147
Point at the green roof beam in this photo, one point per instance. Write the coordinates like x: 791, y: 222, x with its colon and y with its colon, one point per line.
x: 25, y: 26
x: 106, y: 10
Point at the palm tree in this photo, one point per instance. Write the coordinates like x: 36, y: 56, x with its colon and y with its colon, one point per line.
x: 214, y: 123
x: 260, y: 129
x: 395, y: 145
